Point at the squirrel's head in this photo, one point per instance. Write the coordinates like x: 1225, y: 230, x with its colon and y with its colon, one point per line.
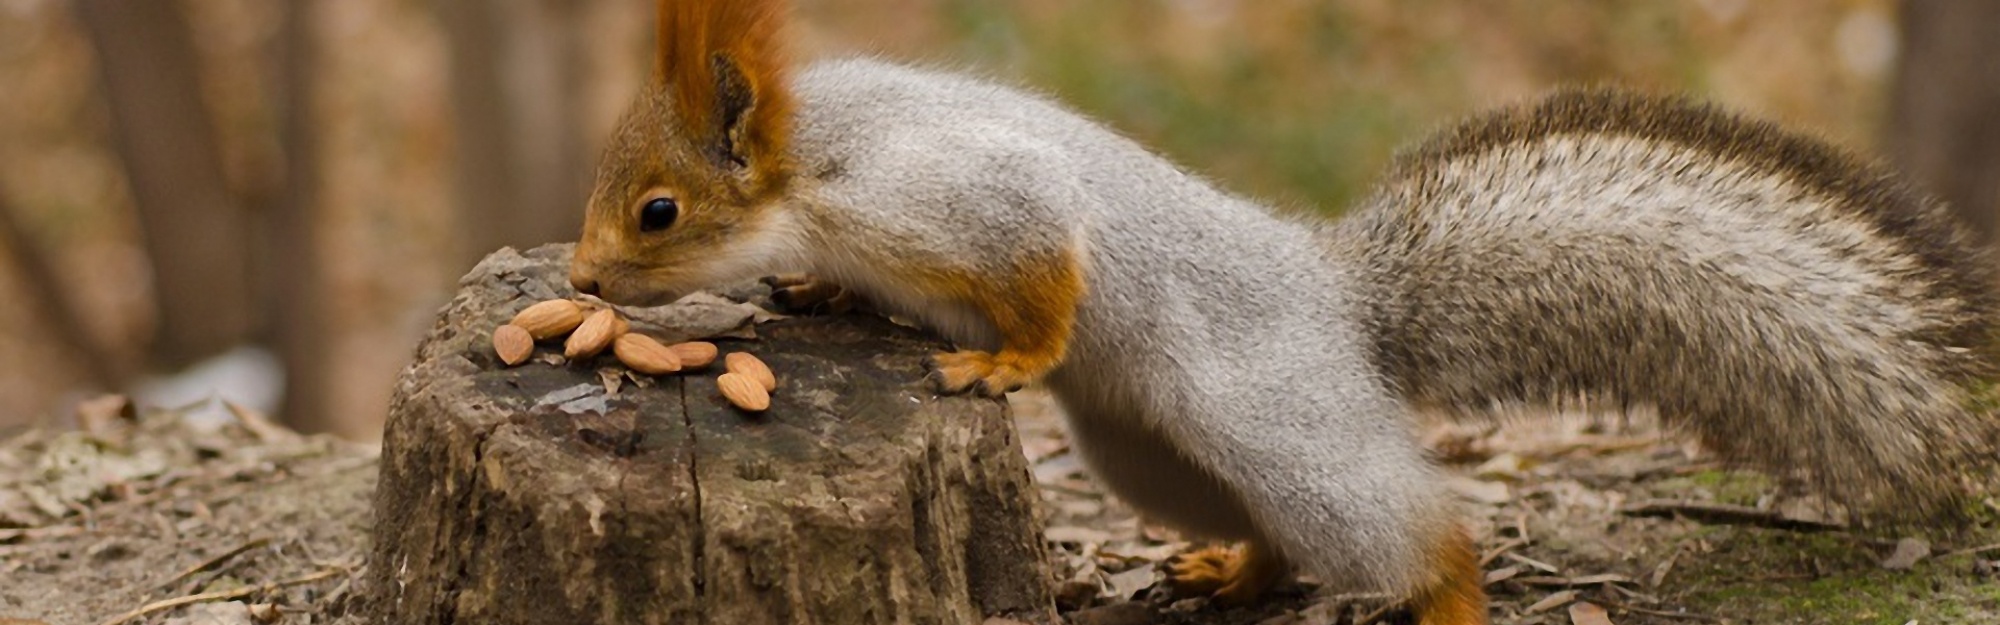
x: 691, y: 186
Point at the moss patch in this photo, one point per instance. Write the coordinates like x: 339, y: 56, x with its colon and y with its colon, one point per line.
x: 1766, y: 576
x: 1741, y: 488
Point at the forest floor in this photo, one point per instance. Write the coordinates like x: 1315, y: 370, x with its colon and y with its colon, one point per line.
x: 151, y: 518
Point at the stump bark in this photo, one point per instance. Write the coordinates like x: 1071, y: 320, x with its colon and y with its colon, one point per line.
x: 534, y: 494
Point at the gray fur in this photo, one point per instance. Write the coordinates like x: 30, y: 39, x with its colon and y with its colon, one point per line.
x: 1834, y: 332
x: 1247, y: 376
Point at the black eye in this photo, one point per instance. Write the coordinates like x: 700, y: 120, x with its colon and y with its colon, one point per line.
x: 658, y: 214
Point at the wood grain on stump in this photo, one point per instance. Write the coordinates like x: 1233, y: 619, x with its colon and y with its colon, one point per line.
x: 533, y: 495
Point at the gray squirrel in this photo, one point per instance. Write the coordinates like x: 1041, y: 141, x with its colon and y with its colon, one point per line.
x: 1250, y: 377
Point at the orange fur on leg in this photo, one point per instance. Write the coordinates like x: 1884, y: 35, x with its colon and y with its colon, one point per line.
x: 1453, y: 593
x: 1033, y: 314
x: 1230, y: 576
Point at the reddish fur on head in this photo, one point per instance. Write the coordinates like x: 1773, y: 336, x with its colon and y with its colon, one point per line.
x: 710, y: 134
x: 695, y: 36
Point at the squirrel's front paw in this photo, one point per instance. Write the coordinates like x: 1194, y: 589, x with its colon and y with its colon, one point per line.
x: 799, y: 293
x: 988, y: 375
x: 1228, y: 576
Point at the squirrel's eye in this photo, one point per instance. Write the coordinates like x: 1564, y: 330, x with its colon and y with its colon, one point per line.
x: 658, y: 214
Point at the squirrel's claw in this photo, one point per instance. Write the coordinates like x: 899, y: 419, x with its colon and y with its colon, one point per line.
x: 1228, y: 576
x: 800, y: 293
x: 982, y: 373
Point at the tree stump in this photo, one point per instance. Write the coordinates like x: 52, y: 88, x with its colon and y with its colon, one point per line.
x: 534, y: 494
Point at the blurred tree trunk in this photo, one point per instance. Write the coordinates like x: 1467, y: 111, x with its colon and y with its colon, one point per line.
x: 196, y: 238
x: 51, y: 302
x: 521, y: 167
x: 1945, y: 105
x: 295, y: 281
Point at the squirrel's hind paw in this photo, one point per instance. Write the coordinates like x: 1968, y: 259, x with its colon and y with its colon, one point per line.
x: 985, y: 374
x: 1228, y: 576
x: 800, y: 293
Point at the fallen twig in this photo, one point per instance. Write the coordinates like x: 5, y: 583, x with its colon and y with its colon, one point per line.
x: 1546, y: 567
x: 215, y: 561
x: 1724, y: 513
x: 48, y: 531
x: 1626, y: 607
x: 1588, y: 580
x: 1371, y: 617
x: 221, y: 595
x: 1504, y: 547
x: 1971, y: 550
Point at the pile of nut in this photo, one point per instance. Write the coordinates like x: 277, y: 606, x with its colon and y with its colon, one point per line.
x: 747, y: 383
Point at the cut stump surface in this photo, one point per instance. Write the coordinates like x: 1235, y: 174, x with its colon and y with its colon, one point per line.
x: 533, y: 494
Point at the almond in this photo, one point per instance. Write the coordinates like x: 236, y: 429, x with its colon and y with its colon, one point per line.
x: 749, y: 366
x: 595, y: 334
x: 549, y: 319
x: 743, y: 392
x: 645, y: 355
x: 694, y: 354
x: 513, y: 344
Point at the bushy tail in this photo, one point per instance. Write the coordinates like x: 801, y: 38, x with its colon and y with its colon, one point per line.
x: 1798, y: 309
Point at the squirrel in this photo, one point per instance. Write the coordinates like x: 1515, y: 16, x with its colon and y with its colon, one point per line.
x: 1250, y: 376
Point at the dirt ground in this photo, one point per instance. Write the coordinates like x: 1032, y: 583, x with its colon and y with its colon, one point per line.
x: 155, y: 518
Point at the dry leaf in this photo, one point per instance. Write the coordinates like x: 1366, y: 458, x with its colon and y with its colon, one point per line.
x: 260, y: 425
x: 1127, y: 585
x: 102, y: 414
x: 1908, y: 552
x: 1480, y: 491
x: 1553, y: 601
x: 1506, y: 466
x: 1500, y: 575
x: 700, y: 316
x: 1587, y: 613
x: 1146, y: 553
x: 1532, y: 562
x: 1073, y: 534
x: 230, y: 613
x: 613, y: 380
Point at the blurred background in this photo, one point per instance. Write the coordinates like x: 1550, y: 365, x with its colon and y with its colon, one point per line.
x: 266, y: 200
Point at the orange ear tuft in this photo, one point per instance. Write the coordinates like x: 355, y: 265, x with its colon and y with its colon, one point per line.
x: 727, y: 67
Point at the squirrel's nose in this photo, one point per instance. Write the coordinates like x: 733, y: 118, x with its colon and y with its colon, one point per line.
x: 583, y: 284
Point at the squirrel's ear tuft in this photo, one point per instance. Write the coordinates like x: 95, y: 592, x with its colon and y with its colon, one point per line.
x: 725, y: 63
